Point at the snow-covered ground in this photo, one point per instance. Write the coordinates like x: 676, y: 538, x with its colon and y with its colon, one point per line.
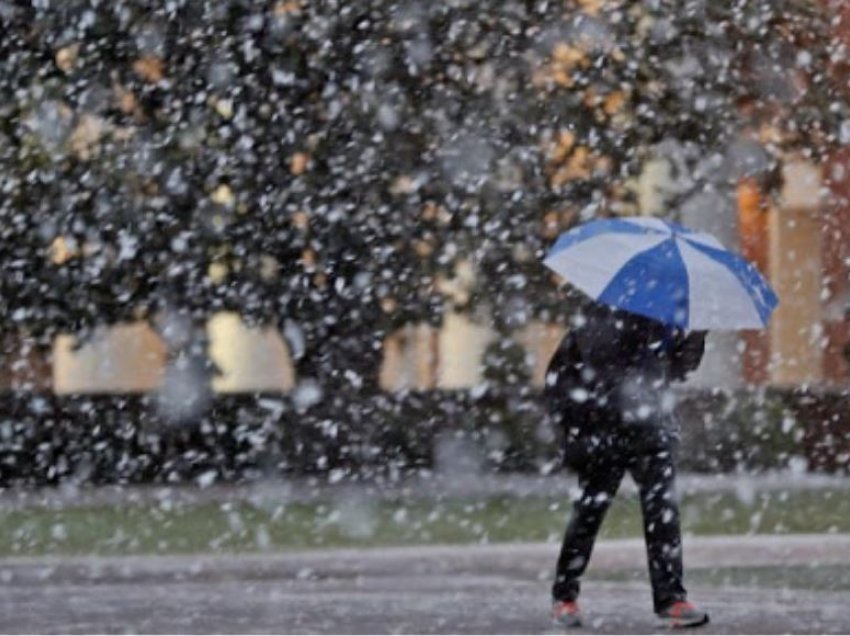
x: 471, y: 589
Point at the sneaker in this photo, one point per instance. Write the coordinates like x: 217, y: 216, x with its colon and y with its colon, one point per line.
x: 683, y: 614
x: 566, y: 614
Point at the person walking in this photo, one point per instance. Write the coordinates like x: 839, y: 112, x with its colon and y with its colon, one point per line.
x: 608, y: 390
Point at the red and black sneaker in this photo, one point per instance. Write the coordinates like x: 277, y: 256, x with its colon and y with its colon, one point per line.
x: 566, y: 614
x: 683, y: 614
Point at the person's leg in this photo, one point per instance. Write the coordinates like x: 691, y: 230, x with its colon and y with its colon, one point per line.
x: 599, y: 483
x: 654, y: 473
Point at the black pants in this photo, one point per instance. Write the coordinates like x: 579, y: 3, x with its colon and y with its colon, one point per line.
x: 601, y: 462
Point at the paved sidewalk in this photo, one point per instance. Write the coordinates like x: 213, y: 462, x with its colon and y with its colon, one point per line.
x: 438, y: 589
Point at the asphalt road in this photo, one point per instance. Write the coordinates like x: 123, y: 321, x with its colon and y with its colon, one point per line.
x: 476, y: 589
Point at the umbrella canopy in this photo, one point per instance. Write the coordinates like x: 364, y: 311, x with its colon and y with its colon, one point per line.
x: 664, y: 271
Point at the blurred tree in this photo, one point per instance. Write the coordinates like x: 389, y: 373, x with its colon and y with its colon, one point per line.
x: 335, y: 167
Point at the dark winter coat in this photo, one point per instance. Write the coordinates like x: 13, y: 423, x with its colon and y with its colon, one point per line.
x: 612, y: 372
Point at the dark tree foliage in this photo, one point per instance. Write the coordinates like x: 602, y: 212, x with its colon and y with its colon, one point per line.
x: 334, y: 167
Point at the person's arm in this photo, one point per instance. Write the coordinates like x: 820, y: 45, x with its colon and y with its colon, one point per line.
x: 687, y: 354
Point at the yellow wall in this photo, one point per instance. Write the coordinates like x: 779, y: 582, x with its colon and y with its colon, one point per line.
x: 461, y: 351
x: 124, y: 358
x: 410, y: 359
x: 132, y: 358
x: 795, y: 272
x: 251, y: 359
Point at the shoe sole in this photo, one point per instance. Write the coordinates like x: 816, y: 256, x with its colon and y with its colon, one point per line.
x: 677, y: 623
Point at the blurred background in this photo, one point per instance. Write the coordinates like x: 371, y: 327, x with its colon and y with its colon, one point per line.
x: 271, y: 271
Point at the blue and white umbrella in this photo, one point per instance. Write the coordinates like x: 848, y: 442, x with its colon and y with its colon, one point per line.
x: 662, y: 270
